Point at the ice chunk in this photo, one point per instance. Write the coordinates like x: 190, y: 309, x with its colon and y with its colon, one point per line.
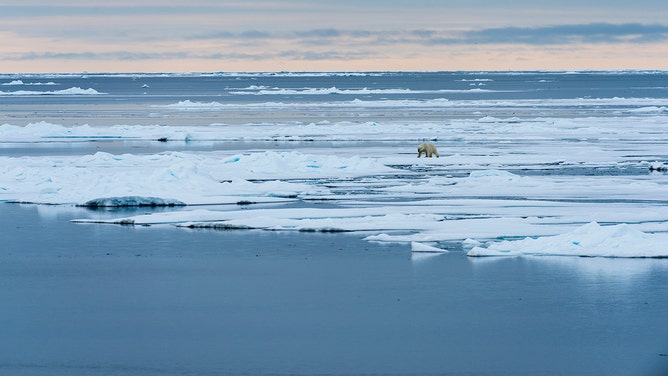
x: 592, y: 240
x: 421, y: 247
x: 131, y: 201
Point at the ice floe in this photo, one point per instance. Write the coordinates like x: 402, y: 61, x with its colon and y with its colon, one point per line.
x: 70, y: 91
x: 131, y: 201
x: 194, y: 179
x: 482, y: 192
x: 422, y: 247
x: 591, y: 240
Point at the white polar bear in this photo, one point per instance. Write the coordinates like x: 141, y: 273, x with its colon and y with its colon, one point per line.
x: 428, y: 149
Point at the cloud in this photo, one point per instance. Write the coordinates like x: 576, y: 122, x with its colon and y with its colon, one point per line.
x: 321, y: 44
x: 561, y: 34
x: 142, y: 8
x: 88, y: 55
x: 254, y: 34
x: 307, y: 55
x: 319, y: 33
x: 302, y: 54
x: 594, y: 33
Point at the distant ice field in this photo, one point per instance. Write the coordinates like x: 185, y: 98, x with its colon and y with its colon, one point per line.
x: 532, y: 163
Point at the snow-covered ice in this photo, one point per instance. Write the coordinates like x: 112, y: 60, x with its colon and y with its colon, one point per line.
x: 190, y: 178
x: 515, y: 181
x: 422, y: 247
x: 592, y: 240
x: 131, y: 201
x: 70, y: 91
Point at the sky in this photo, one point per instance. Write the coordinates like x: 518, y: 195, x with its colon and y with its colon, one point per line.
x: 39, y: 36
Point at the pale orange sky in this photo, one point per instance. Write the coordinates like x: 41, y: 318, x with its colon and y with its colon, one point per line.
x: 303, y: 35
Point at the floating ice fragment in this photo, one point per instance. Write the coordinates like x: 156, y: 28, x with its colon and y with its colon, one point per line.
x: 70, y: 91
x: 131, y: 201
x: 322, y: 229
x: 470, y: 243
x: 590, y: 240
x: 658, y: 166
x: 12, y: 83
x: 648, y: 110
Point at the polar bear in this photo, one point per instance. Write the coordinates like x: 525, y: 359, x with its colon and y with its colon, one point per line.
x: 428, y: 149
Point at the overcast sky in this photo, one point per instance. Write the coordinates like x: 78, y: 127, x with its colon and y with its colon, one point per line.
x: 326, y: 35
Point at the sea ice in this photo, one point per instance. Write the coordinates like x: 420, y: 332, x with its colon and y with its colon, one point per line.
x: 421, y: 247
x: 70, y: 91
x: 591, y: 240
x: 481, y: 192
x: 131, y: 201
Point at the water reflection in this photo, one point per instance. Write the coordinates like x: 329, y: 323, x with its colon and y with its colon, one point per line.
x: 423, y: 257
x: 66, y: 212
x: 590, y: 269
x: 620, y: 269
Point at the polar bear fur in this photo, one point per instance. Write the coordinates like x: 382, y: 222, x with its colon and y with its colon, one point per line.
x: 428, y: 149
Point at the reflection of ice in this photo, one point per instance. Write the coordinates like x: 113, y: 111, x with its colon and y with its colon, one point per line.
x: 419, y: 257
x: 595, y: 273
x: 596, y: 269
x: 55, y: 211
